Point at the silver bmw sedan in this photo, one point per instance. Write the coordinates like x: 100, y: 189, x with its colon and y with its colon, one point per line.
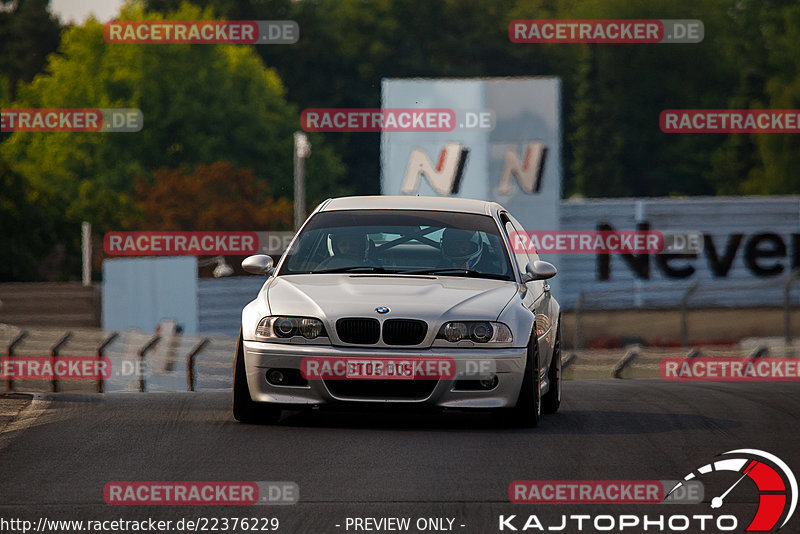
x: 401, y: 301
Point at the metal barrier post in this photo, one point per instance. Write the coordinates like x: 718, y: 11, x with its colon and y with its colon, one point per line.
x: 10, y: 354
x: 694, y: 353
x: 190, y: 362
x: 54, y: 354
x: 626, y: 360
x: 142, y: 353
x: 100, y: 353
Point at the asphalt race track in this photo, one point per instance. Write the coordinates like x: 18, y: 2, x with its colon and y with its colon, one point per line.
x: 59, y: 451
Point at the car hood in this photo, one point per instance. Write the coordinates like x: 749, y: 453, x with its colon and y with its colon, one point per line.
x: 331, y: 296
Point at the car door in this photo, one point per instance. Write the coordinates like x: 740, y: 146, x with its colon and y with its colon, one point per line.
x: 537, y: 296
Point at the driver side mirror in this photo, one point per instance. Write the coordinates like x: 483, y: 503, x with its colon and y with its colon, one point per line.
x: 538, y: 270
x: 258, y: 264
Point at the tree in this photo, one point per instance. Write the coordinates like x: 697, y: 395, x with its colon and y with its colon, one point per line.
x: 29, y: 222
x: 201, y: 104
x: 28, y: 33
x: 212, y: 197
x: 779, y: 153
x: 613, y: 120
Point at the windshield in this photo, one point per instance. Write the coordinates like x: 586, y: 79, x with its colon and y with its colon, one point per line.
x: 400, y: 241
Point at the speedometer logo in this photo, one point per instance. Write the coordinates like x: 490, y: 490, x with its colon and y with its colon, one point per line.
x: 777, y: 485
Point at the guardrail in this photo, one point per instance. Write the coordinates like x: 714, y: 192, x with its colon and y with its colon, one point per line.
x: 626, y: 360
x: 10, y: 354
x: 142, y: 355
x: 190, y: 362
x: 207, y: 362
x: 648, y: 358
x: 686, y: 315
x: 101, y: 351
x: 54, y: 354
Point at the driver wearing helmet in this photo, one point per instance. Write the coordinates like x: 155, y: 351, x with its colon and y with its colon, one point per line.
x: 461, y: 249
x: 349, y: 249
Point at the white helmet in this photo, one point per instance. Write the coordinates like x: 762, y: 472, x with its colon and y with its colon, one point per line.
x: 461, y: 247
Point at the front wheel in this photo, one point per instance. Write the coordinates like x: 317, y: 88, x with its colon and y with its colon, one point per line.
x: 552, y: 399
x: 244, y: 409
x: 528, y: 410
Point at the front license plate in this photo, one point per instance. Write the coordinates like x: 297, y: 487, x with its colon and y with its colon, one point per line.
x: 380, y: 370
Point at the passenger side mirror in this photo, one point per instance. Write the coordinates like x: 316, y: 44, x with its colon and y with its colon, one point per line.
x: 538, y: 270
x: 258, y: 264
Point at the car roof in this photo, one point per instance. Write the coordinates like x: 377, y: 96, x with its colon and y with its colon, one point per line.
x: 386, y: 202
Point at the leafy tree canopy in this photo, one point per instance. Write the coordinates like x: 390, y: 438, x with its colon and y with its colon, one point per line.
x: 212, y: 197
x: 201, y: 104
x: 28, y: 33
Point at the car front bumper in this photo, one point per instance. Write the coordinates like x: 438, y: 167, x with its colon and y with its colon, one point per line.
x: 508, y: 364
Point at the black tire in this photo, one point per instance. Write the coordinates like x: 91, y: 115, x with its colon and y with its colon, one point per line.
x: 528, y: 410
x: 244, y: 409
x: 552, y: 399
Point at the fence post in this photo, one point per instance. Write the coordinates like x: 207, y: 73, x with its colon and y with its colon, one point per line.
x: 787, y: 307
x: 100, y: 353
x: 684, y: 313
x: 694, y: 353
x: 626, y: 360
x: 142, y: 354
x: 190, y: 362
x: 54, y: 354
x: 10, y: 354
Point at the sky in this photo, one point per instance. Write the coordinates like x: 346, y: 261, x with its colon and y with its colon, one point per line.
x: 78, y: 10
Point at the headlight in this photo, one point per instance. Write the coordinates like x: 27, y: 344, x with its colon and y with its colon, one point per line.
x: 287, y: 327
x: 477, y: 331
x: 310, y: 328
x: 454, y: 331
x: 284, y: 327
x: 481, y: 332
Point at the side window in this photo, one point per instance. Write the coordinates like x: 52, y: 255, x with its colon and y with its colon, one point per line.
x: 532, y: 254
x: 520, y: 257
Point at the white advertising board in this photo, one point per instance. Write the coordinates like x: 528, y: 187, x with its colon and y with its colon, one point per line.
x: 141, y: 292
